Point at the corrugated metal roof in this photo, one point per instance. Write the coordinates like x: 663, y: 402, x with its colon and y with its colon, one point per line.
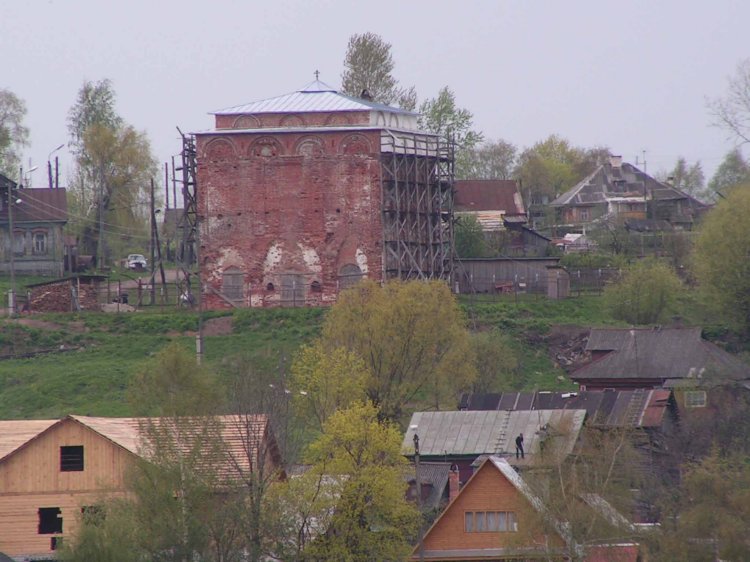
x: 313, y: 97
x: 664, y: 353
x: 491, y: 432
x: 603, y: 407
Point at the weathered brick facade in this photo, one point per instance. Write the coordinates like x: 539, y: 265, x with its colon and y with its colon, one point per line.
x: 290, y: 202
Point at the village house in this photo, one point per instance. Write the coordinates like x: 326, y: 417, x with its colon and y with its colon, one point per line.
x: 304, y: 194
x: 52, y: 471
x: 498, y: 207
x: 496, y: 516
x: 644, y: 358
x: 39, y: 216
x: 618, y: 191
x: 459, y: 438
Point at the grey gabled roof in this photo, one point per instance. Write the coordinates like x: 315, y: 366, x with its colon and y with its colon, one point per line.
x: 659, y: 353
x: 491, y: 432
x: 609, y: 182
x: 316, y: 96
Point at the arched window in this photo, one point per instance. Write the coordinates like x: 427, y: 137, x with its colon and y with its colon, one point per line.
x: 232, y: 281
x: 349, y: 275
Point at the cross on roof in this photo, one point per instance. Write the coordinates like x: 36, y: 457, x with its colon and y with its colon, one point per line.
x: 317, y: 74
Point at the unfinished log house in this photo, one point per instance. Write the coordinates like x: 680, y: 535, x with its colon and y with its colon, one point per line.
x: 302, y: 195
x: 53, y: 471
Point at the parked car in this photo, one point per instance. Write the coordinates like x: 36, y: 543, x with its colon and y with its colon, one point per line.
x: 136, y: 261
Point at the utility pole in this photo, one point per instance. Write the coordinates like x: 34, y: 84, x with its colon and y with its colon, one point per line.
x: 12, y: 239
x: 418, y: 480
x: 152, y: 245
x: 100, y: 241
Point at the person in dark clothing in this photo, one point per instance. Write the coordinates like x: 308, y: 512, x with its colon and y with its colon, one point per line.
x: 519, y: 445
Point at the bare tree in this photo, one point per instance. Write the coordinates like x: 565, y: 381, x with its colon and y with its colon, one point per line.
x: 732, y: 112
x: 13, y: 133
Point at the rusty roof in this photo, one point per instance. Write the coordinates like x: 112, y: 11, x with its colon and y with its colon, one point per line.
x: 37, y: 205
x: 613, y: 408
x: 489, y: 195
x: 659, y: 354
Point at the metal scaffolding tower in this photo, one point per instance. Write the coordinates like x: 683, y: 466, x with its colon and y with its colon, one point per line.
x: 417, y: 206
x: 188, y: 223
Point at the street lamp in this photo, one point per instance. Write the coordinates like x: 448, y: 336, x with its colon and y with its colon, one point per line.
x: 12, y: 239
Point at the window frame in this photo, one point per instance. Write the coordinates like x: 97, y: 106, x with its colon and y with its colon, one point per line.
x: 490, y: 522
x: 690, y: 399
x: 71, y: 458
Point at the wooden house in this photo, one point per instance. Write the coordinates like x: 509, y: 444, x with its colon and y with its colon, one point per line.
x: 52, y: 471
x: 632, y: 358
x: 38, y: 216
x: 496, y: 516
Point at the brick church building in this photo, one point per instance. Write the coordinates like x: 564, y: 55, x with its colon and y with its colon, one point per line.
x: 302, y: 195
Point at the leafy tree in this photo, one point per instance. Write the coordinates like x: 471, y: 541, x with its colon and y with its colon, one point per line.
x: 553, y: 165
x: 734, y: 170
x: 720, y: 257
x: 13, y: 134
x: 368, y: 65
x: 113, y: 167
x: 372, y: 519
x: 95, y: 105
x: 710, y: 514
x: 732, y: 112
x: 325, y: 381
x: 496, y: 361
x: 688, y: 178
x: 644, y: 294
x: 491, y: 160
x: 442, y: 116
x: 469, y: 238
x: 412, y: 338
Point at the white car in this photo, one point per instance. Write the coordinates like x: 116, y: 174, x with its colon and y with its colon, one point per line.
x: 136, y: 261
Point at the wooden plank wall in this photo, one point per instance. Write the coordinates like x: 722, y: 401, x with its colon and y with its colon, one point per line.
x: 31, y: 478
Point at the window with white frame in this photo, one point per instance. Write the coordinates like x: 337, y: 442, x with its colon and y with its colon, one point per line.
x: 490, y: 521
x: 39, y: 247
x: 695, y: 399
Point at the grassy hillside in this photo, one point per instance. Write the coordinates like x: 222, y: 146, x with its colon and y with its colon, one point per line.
x: 89, y: 359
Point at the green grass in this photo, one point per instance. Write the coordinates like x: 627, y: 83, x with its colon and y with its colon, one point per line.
x: 112, y: 348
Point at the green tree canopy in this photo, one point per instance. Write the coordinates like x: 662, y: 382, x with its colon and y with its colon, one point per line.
x: 412, y: 337
x: 368, y: 65
x: 721, y: 257
x: 554, y: 165
x: 442, y: 116
x: 644, y: 294
x: 491, y: 160
x: 734, y: 170
x: 688, y: 178
x: 497, y: 363
x: 114, y: 165
x: 372, y: 520
x: 469, y: 238
x: 14, y: 135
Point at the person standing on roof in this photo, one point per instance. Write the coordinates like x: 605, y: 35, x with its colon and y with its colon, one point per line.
x: 519, y: 445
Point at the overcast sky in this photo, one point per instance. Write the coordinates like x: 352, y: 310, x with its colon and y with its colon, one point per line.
x: 630, y: 75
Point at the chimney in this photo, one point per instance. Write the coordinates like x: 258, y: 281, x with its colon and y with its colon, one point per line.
x: 453, y: 483
x: 615, y: 160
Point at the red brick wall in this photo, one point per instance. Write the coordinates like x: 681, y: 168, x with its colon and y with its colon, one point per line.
x: 288, y: 203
